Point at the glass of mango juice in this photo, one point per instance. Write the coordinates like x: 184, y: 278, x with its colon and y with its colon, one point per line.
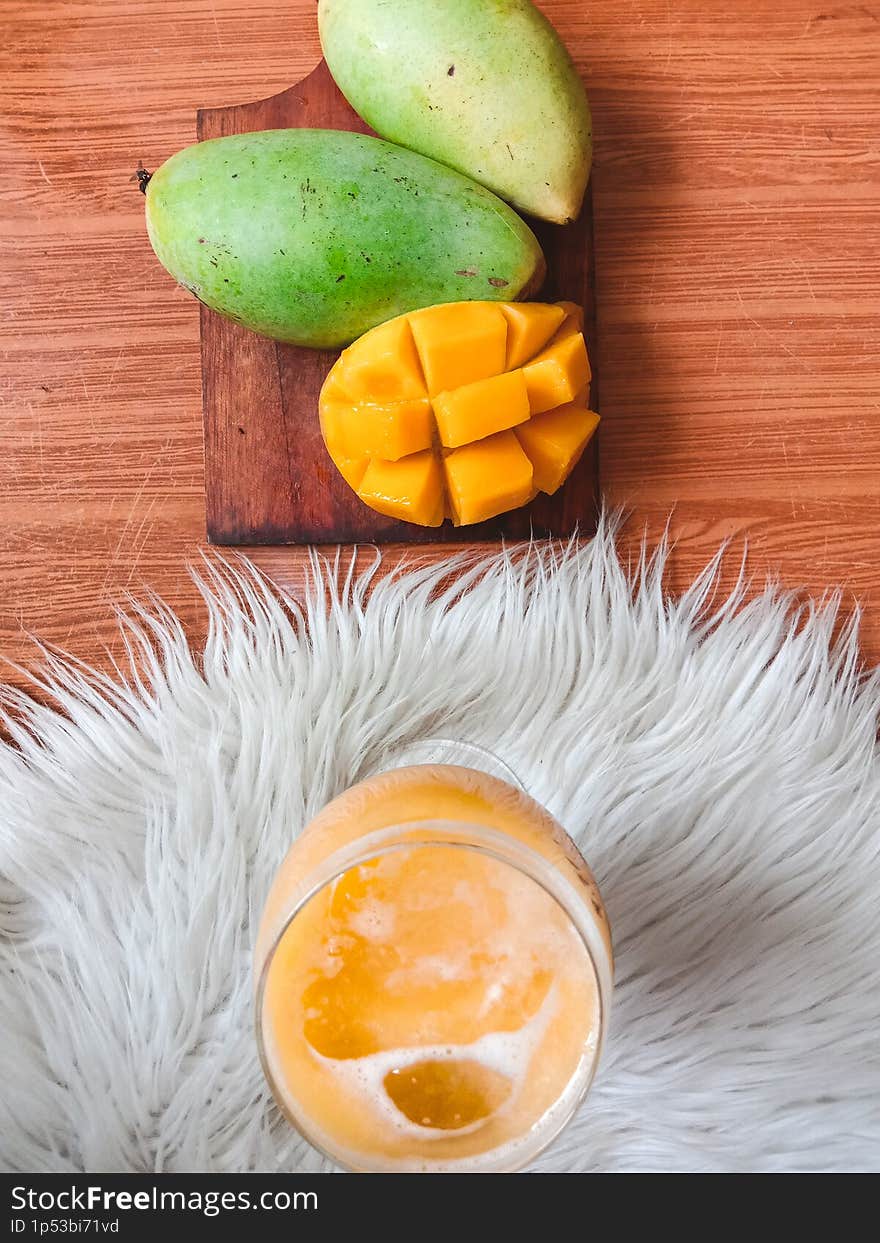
x: 433, y: 974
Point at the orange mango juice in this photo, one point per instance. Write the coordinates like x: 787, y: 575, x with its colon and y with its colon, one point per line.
x: 434, y: 966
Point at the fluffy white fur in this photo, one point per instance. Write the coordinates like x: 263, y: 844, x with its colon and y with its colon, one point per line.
x: 717, y: 763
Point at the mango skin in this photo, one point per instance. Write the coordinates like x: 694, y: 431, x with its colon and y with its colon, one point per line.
x: 485, y: 86
x: 314, y: 236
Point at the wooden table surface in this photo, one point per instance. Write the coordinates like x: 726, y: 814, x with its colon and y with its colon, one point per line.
x: 737, y: 205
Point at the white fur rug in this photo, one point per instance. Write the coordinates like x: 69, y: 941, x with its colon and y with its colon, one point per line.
x: 717, y: 763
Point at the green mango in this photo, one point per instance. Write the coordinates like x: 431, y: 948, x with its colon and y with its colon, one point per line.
x: 485, y: 86
x: 314, y: 236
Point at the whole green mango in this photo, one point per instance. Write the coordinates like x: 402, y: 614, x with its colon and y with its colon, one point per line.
x: 314, y: 236
x: 485, y: 86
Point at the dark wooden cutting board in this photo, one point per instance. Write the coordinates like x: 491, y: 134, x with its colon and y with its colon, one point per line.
x: 269, y: 479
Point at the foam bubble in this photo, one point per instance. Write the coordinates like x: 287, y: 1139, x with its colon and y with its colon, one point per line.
x: 373, y: 920
x: 507, y: 1053
x: 509, y: 1155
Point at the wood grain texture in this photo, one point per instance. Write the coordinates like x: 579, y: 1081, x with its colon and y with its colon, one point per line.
x: 268, y: 476
x: 737, y: 200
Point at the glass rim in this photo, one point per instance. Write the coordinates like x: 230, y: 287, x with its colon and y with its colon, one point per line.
x: 573, y: 904
x: 454, y: 752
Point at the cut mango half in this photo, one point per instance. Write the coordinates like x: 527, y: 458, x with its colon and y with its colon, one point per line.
x: 463, y: 410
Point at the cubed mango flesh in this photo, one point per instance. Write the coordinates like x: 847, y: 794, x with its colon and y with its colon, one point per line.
x: 554, y: 442
x: 389, y: 371
x: 572, y: 322
x: 487, y: 477
x: 556, y: 375
x: 462, y: 411
x: 353, y: 470
x: 459, y: 342
x: 411, y: 489
x: 390, y: 431
x: 336, y: 417
x: 530, y: 325
x: 482, y: 408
